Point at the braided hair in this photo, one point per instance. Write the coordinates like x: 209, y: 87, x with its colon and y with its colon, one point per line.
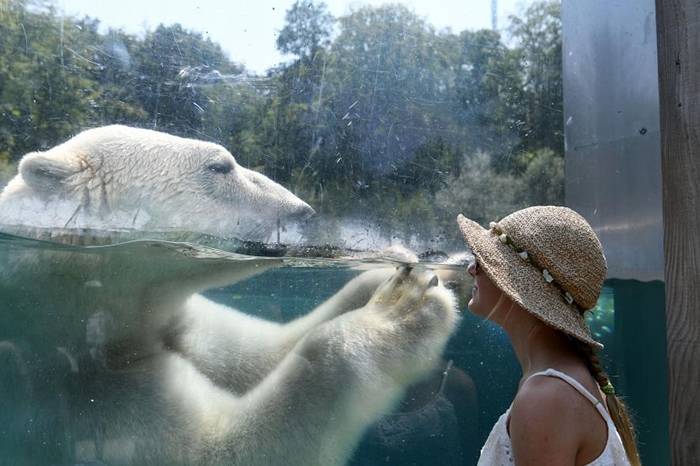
x: 617, y: 409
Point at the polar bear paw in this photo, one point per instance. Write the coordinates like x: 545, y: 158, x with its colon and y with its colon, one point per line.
x: 413, y: 289
x: 419, y: 314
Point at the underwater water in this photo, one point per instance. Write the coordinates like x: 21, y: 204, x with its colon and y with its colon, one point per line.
x: 72, y: 390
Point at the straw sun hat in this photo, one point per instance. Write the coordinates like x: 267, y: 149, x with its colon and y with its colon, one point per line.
x: 547, y: 259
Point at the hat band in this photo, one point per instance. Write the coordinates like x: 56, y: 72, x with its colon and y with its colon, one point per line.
x: 496, y: 229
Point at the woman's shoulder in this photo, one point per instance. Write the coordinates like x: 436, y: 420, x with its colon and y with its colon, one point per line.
x: 546, y: 397
x: 561, y: 391
x: 555, y: 399
x: 544, y: 421
x: 551, y: 418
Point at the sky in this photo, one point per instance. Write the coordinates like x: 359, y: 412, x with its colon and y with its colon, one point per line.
x: 247, y: 29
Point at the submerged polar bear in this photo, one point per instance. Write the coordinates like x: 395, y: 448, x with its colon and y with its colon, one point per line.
x: 162, y: 375
x: 118, y: 177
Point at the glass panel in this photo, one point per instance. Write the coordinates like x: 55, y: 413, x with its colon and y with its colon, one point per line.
x: 630, y: 320
x: 169, y: 296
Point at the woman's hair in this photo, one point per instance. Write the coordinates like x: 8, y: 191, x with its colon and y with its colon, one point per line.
x: 618, y: 410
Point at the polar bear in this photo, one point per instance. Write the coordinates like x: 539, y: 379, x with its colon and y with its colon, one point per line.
x: 155, y: 373
x: 118, y: 177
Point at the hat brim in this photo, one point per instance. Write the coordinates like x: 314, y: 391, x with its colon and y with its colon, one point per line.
x: 523, y: 283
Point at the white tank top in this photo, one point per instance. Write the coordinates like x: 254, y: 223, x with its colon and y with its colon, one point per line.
x: 497, y: 450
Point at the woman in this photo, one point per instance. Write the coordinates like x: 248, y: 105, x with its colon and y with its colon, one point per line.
x: 535, y: 272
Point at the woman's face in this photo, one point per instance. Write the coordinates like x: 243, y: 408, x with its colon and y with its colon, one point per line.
x: 485, y: 295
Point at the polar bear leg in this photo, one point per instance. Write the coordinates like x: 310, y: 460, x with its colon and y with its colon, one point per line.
x: 355, y: 294
x: 237, y: 351
x: 166, y: 293
x: 313, y: 407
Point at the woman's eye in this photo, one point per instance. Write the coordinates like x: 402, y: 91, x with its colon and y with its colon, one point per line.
x: 220, y: 167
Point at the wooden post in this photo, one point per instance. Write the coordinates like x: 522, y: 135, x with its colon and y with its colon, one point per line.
x: 678, y: 38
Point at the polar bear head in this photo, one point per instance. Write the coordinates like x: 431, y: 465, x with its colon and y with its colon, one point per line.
x: 117, y: 177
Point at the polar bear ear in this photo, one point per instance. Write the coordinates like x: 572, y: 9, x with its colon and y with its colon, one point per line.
x: 45, y: 173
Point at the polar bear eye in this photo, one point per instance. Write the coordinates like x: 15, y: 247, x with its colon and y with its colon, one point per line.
x: 220, y: 167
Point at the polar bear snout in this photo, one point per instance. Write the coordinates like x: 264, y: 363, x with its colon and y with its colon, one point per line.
x: 266, y: 195
x: 303, y: 212
x: 297, y: 212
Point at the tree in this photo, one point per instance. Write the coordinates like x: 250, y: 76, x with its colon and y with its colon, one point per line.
x: 46, y: 93
x: 479, y: 192
x: 488, y: 93
x: 542, y: 180
x: 119, y: 80
x: 172, y: 64
x: 389, y: 85
x: 538, y: 36
x: 307, y: 29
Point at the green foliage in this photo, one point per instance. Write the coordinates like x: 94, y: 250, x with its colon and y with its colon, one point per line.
x: 379, y: 116
x: 391, y: 80
x: 543, y: 178
x: 171, y: 65
x: 480, y: 192
x: 538, y: 34
x: 7, y: 169
x: 489, y: 92
x: 308, y: 28
x: 45, y: 89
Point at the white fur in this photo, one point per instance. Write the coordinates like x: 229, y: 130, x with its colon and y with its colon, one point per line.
x: 257, y: 392
x: 117, y: 177
x: 177, y: 379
